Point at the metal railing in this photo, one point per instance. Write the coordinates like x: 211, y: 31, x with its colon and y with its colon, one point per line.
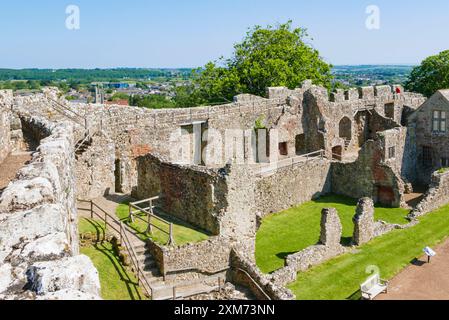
x: 120, y: 229
x: 67, y: 112
x: 135, y: 210
x: 270, y: 167
x: 267, y: 297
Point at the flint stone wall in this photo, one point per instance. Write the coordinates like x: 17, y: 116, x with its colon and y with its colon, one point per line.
x: 38, y: 224
x: 436, y: 197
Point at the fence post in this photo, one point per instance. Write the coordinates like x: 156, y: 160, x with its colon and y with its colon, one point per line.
x: 91, y: 209
x: 174, y: 293
x: 121, y: 233
x: 105, y: 221
x: 131, y: 218
x: 171, y: 241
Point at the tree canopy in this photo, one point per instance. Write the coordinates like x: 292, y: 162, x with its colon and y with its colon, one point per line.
x: 267, y: 57
x: 431, y: 76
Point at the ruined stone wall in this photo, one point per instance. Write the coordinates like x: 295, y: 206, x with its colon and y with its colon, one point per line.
x: 193, y: 194
x: 94, y: 168
x: 436, y: 197
x: 38, y: 226
x: 245, y: 272
x: 328, y: 247
x: 292, y: 186
x: 5, y: 130
x: 191, y: 257
x: 374, y: 174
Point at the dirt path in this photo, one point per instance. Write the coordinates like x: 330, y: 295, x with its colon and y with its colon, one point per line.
x: 8, y: 168
x: 422, y: 281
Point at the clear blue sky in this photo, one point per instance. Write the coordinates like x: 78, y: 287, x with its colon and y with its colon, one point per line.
x: 188, y: 33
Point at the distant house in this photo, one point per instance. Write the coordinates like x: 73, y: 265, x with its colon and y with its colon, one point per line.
x: 430, y: 122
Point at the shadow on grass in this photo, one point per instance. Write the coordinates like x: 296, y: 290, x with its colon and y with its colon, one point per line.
x: 177, y: 222
x: 132, y: 286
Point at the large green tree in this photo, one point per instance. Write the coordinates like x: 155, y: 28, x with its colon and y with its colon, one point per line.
x: 431, y: 76
x: 273, y: 56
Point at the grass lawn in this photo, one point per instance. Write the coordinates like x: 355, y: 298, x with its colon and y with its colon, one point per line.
x: 183, y: 232
x: 117, y: 283
x: 295, y: 229
x: 340, y: 278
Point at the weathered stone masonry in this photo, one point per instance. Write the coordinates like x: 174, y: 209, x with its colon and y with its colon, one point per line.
x: 38, y: 226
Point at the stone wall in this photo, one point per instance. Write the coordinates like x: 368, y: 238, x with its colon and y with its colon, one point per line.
x: 436, y: 197
x: 246, y: 273
x: 191, y: 257
x: 38, y: 226
x: 94, y: 168
x: 373, y: 174
x: 193, y: 194
x: 5, y: 130
x: 364, y: 227
x: 292, y: 186
x: 328, y: 248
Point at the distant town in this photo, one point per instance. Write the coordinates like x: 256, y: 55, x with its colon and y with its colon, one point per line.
x: 155, y: 88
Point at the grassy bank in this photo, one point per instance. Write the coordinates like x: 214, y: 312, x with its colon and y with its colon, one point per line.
x: 340, y: 278
x: 295, y: 229
x: 183, y: 232
x: 117, y: 282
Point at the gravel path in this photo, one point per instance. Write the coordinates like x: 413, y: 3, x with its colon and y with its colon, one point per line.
x: 423, y: 281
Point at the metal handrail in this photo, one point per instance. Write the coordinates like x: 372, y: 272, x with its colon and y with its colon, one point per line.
x: 254, y: 282
x: 150, y: 215
x: 124, y: 239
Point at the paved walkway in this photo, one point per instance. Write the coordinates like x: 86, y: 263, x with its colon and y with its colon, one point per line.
x: 423, y: 281
x: 13, y: 163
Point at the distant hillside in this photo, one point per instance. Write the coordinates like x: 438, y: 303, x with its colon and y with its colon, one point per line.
x: 91, y: 74
x: 372, y: 74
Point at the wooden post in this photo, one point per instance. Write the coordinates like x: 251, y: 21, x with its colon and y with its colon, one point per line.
x: 131, y: 218
x: 105, y: 221
x: 171, y: 240
x: 121, y: 233
x: 174, y: 293
x: 91, y: 209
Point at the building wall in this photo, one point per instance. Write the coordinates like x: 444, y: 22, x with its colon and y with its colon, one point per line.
x: 421, y: 125
x: 292, y: 186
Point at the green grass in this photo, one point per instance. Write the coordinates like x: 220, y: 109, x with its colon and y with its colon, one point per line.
x: 183, y: 232
x: 340, y: 278
x: 117, y: 283
x: 443, y: 170
x: 295, y: 229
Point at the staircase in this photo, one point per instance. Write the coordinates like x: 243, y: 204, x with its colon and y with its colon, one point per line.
x: 83, y: 145
x: 166, y: 290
